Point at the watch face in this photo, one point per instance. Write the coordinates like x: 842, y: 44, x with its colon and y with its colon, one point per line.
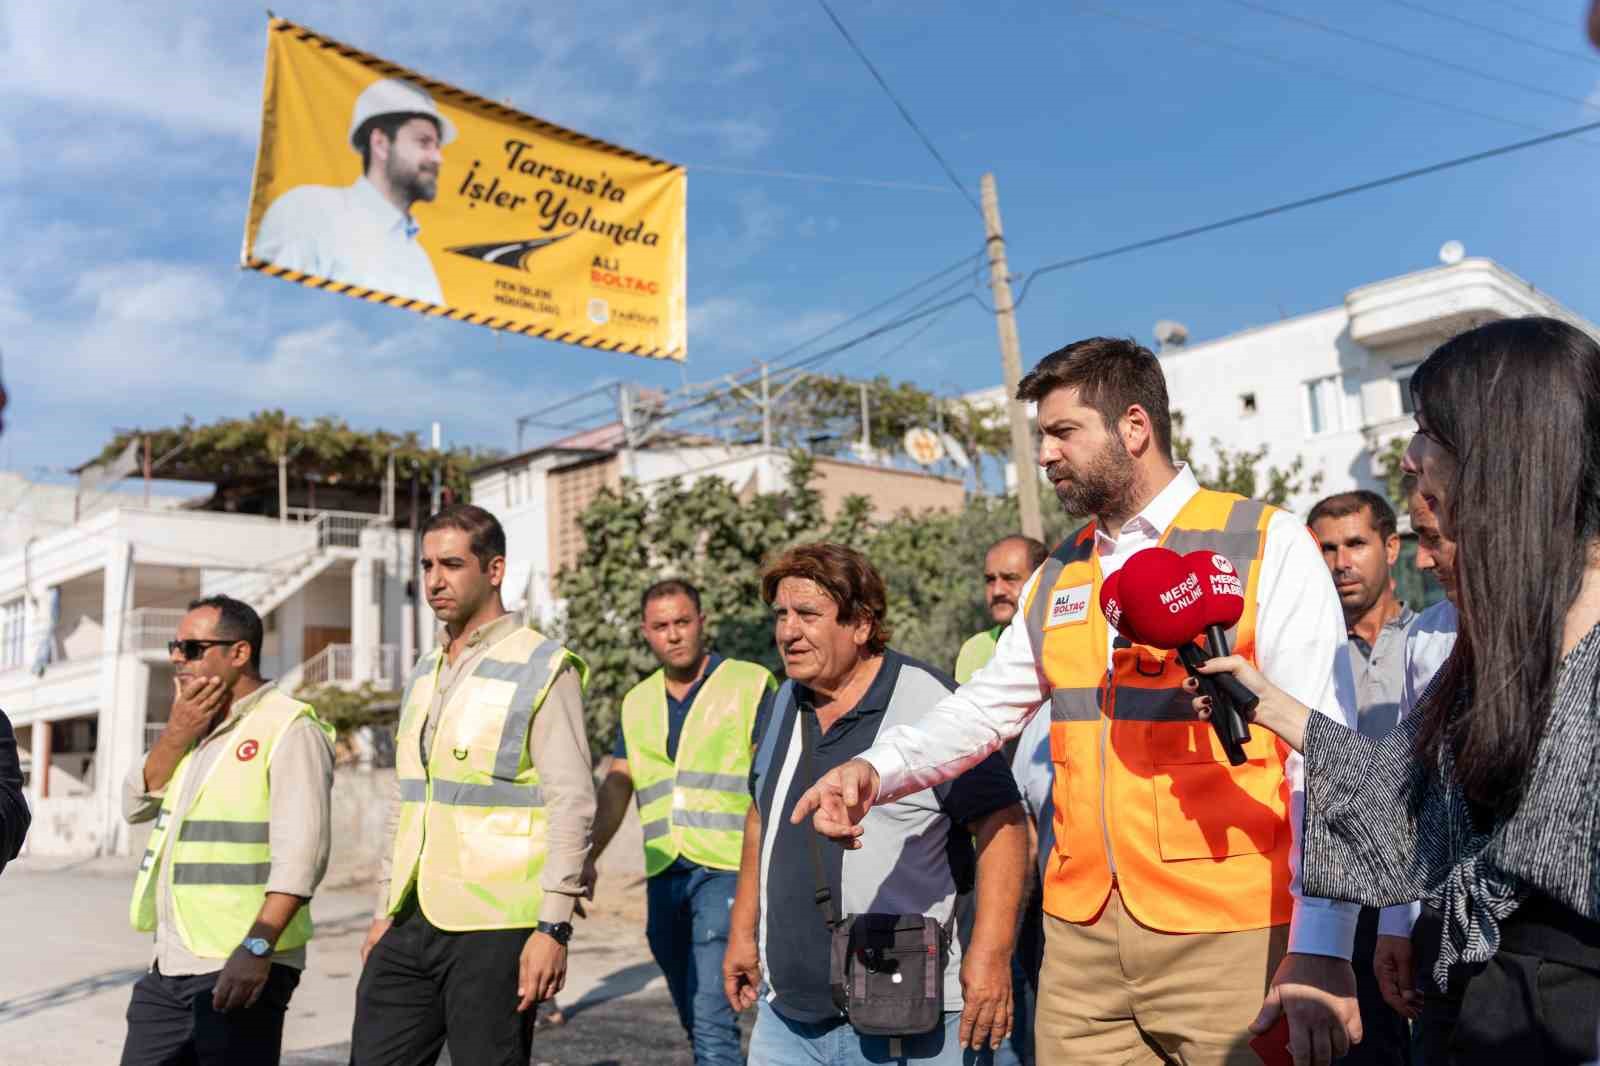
x: 258, y: 947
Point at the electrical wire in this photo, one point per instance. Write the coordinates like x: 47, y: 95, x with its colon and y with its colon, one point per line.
x: 1320, y: 198
x: 1301, y: 66
x: 873, y: 183
x: 1412, y: 5
x: 1566, y: 24
x: 1411, y: 53
x: 884, y: 85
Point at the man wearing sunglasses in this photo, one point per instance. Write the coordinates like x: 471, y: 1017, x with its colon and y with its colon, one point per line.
x: 240, y: 785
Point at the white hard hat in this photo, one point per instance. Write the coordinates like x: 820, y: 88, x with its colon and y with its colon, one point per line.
x: 390, y: 96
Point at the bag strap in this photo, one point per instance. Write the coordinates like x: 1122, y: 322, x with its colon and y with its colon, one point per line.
x: 824, y: 895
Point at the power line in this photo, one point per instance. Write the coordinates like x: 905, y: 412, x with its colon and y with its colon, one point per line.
x: 1299, y: 65
x: 1492, y: 30
x: 874, y: 183
x: 928, y: 323
x: 1320, y: 198
x: 1411, y: 53
x: 1566, y: 24
x: 873, y: 70
x: 904, y: 320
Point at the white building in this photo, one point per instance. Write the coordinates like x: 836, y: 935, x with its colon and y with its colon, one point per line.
x: 86, y: 613
x: 1330, y: 386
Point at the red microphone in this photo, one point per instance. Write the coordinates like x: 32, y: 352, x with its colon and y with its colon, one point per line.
x: 1165, y: 603
x: 1222, y: 594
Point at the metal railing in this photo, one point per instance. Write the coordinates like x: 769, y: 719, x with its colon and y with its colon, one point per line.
x: 149, y: 628
x: 345, y: 664
x: 335, y: 529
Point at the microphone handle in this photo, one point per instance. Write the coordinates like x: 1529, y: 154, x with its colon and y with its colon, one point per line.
x: 1225, y: 717
x: 1243, y: 699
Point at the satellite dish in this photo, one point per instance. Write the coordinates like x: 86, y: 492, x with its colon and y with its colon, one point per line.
x: 923, y: 445
x: 1171, y: 334
x: 955, y: 451
x: 1452, y: 252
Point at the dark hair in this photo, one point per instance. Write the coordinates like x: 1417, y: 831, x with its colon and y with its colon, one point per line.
x: 390, y: 125
x: 1037, y: 552
x: 672, y: 586
x: 1517, y: 403
x: 1111, y: 376
x: 486, y: 537
x: 1343, y: 504
x: 236, y: 620
x: 845, y: 575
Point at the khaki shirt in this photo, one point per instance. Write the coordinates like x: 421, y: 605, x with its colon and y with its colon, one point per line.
x: 300, y: 779
x: 559, y: 750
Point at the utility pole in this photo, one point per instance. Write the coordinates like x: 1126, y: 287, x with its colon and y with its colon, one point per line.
x: 866, y: 426
x: 1005, y: 316
x: 437, y: 487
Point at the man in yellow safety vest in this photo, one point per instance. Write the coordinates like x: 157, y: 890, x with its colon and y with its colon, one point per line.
x: 489, y: 823
x: 683, y: 755
x: 239, y: 785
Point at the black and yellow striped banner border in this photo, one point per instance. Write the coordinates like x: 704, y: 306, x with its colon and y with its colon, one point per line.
x: 433, y: 310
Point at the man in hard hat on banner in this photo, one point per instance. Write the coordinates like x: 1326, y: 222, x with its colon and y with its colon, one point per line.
x: 488, y: 825
x: 363, y: 234
x: 683, y: 755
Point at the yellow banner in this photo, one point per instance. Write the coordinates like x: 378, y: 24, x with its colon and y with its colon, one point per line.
x: 376, y: 182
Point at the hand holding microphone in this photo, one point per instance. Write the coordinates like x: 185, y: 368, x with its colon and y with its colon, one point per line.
x: 1162, y: 600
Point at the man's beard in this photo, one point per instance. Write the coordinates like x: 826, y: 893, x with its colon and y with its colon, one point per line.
x: 1104, y: 487
x: 416, y: 183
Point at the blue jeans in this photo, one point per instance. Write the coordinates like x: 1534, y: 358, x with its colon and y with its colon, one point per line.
x: 780, y: 1041
x: 687, y: 928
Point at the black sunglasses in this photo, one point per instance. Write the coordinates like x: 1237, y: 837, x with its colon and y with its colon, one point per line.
x: 193, y: 649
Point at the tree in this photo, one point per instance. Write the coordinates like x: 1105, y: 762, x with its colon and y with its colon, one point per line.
x: 1236, y: 470
x: 240, y: 455
x: 931, y: 564
x: 823, y: 413
x: 1388, y: 457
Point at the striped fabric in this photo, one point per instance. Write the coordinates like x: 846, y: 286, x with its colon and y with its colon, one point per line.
x: 1382, y: 828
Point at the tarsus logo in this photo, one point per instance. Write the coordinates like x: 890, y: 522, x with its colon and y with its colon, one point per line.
x: 511, y: 254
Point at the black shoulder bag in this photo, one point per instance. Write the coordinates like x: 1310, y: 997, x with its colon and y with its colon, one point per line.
x: 886, y: 970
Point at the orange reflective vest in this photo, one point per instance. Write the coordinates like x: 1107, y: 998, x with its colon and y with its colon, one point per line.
x: 1141, y: 784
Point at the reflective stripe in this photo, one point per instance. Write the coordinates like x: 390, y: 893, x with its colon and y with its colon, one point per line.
x: 413, y: 790
x: 220, y: 873
x: 655, y: 829
x: 163, y: 816
x: 1239, y: 547
x: 1048, y: 573
x: 144, y: 863
x: 530, y: 676
x: 650, y: 793
x: 707, y: 820
x: 715, y: 782
x: 498, y: 794
x: 1154, y: 705
x: 218, y: 832
x: 1075, y: 705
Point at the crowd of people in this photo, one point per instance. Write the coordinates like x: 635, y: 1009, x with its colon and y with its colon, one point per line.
x: 1046, y: 857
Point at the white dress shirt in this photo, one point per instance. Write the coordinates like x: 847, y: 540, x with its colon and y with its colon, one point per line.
x: 1428, y: 643
x: 1299, y: 631
x: 349, y: 233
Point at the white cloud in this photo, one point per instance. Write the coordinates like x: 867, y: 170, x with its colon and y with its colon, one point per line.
x: 155, y: 294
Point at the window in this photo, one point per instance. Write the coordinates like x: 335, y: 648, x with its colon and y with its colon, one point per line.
x: 13, y: 623
x: 1247, y: 404
x: 1325, y: 405
x: 1402, y: 378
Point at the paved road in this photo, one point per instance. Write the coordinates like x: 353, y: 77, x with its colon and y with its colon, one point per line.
x: 68, y: 961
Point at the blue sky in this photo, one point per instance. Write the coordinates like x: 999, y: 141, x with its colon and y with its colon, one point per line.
x: 127, y: 135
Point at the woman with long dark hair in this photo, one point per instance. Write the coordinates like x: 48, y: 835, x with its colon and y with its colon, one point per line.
x: 1485, y: 802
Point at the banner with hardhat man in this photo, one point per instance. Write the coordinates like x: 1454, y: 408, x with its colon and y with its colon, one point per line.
x: 376, y: 182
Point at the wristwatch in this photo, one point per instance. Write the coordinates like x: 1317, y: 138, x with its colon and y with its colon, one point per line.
x: 560, y: 932
x: 257, y: 946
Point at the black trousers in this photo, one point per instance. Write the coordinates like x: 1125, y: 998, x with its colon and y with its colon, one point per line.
x: 171, y: 1022
x: 423, y: 987
x: 1386, y: 1036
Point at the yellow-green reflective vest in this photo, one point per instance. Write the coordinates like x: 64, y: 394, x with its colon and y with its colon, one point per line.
x: 221, y: 852
x: 976, y: 653
x: 694, y: 807
x: 472, y: 821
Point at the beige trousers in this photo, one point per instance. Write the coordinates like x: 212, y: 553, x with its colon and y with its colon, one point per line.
x: 1113, y: 992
